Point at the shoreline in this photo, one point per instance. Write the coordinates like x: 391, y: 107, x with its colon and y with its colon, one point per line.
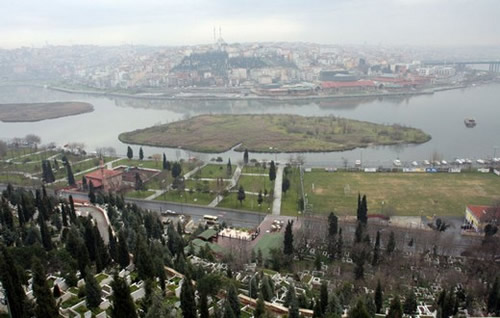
x: 152, y: 96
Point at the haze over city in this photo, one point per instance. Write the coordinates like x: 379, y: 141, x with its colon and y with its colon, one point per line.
x: 440, y: 23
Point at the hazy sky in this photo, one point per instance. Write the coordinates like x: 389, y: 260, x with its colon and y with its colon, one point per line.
x: 177, y: 22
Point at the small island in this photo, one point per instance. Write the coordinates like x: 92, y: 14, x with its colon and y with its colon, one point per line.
x: 271, y: 133
x: 40, y: 111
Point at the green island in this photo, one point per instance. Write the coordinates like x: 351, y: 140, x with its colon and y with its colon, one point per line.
x: 273, y: 132
x: 40, y: 111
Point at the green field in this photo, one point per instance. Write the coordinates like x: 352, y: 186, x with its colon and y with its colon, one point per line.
x: 139, y: 194
x: 254, y: 169
x: 149, y: 164
x: 289, y: 204
x: 203, y: 186
x: 187, y: 197
x: 267, y: 242
x: 423, y: 194
x: 249, y: 204
x: 16, y: 152
x: 272, y: 132
x: 255, y: 183
x: 214, y: 171
x: 40, y: 111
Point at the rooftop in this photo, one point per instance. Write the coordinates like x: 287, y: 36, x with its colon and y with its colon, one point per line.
x: 100, y: 174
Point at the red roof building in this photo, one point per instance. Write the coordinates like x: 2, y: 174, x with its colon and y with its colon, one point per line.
x: 348, y: 85
x: 479, y: 215
x: 104, y: 179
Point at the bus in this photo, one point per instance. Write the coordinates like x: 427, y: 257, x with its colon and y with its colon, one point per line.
x: 210, y: 219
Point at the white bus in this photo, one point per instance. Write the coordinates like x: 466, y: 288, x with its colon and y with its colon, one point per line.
x: 210, y: 219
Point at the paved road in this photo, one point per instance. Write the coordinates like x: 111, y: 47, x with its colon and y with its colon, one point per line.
x: 235, y: 218
x: 277, y: 190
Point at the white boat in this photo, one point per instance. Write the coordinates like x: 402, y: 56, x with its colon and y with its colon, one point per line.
x: 357, y: 163
x: 470, y: 122
x: 459, y: 161
x: 414, y: 163
x: 444, y: 162
x: 480, y: 161
x: 436, y: 163
x: 426, y: 162
x: 397, y: 162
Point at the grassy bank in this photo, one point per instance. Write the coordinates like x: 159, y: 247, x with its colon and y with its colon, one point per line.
x: 40, y: 111
x: 416, y: 194
x: 268, y: 133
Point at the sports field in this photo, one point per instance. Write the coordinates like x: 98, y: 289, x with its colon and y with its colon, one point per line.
x: 425, y: 194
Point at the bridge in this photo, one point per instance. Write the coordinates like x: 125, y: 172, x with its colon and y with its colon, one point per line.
x: 494, y: 65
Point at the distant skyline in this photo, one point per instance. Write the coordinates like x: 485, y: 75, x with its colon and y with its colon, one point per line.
x: 436, y: 23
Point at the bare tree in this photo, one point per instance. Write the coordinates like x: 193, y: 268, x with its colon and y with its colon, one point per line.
x: 3, y: 148
x: 32, y: 140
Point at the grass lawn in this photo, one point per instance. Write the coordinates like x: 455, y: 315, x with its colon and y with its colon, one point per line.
x: 205, y: 185
x: 37, y: 157
x: 160, y: 181
x: 150, y: 164
x: 402, y: 193
x: 33, y: 168
x: 289, y: 200
x: 254, y: 169
x: 293, y: 133
x: 187, y: 197
x: 20, y: 180
x: 255, y: 183
x: 16, y: 152
x: 249, y: 204
x: 139, y: 194
x: 267, y: 242
x: 215, y: 171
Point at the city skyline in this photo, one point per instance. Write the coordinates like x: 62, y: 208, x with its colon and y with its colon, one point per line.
x: 436, y: 23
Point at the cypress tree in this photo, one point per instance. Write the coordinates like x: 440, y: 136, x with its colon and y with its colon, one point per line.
x: 232, y: 298
x: 364, y: 210
x: 123, y: 305
x: 245, y: 157
x: 44, y: 231
x: 379, y: 297
x: 64, y: 215
x: 288, y: 239
x: 395, y: 309
x: 410, y: 304
x: 359, y: 311
x: 241, y: 195
x: 272, y: 171
x: 228, y: 311
x: 11, y: 283
x: 92, y: 290
x: 92, y: 197
x: 165, y: 162
x: 293, y: 308
x: 391, y: 245
x: 340, y: 244
x: 493, y: 303
x: 204, y: 313
x: 123, y: 253
x: 358, y: 234
x: 141, y: 154
x: 323, y: 297
x: 265, y: 289
x: 260, y: 307
x: 113, y: 248
x: 188, y: 303
x: 332, y: 225
x: 71, y: 177
x: 45, y: 302
x: 253, y: 289
x: 376, y: 250
x: 130, y: 153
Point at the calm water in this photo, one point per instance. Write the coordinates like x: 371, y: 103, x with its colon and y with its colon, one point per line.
x: 440, y: 115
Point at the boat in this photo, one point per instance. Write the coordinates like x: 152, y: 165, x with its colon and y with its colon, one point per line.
x: 358, y: 163
x: 444, y: 162
x: 470, y: 122
x: 426, y: 162
x: 480, y: 161
x: 397, y: 162
x: 414, y: 163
